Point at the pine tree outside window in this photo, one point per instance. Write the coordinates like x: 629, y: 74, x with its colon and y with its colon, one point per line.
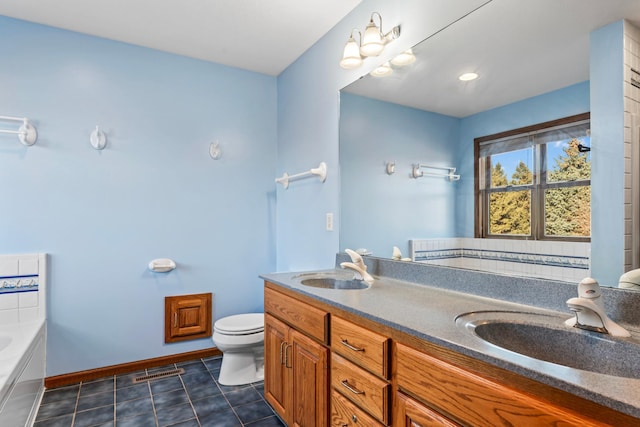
x: 535, y: 182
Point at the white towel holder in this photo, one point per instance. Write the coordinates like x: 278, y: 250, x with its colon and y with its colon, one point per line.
x: 417, y: 172
x: 27, y: 133
x: 320, y: 172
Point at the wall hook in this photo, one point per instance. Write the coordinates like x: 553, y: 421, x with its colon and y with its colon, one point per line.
x: 214, y: 150
x: 390, y: 168
x: 98, y: 139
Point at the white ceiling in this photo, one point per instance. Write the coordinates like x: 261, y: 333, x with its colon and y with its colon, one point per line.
x: 264, y: 36
x: 520, y: 48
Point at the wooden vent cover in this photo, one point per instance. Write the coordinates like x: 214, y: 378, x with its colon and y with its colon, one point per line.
x: 187, y: 317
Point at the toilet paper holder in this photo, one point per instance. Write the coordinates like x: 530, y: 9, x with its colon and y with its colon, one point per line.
x: 162, y: 265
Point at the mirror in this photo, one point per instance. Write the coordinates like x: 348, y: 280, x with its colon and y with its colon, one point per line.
x: 530, y: 71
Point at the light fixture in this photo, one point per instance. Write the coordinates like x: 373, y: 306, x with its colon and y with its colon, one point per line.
x: 373, y: 39
x: 382, y: 71
x: 405, y: 58
x: 351, y: 57
x: 468, y: 77
x: 372, y: 43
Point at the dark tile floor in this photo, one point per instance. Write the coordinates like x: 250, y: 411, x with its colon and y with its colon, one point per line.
x: 191, y: 399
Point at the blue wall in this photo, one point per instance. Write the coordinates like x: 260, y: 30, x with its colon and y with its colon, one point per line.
x: 399, y: 208
x: 561, y: 103
x: 308, y: 114
x: 607, y: 195
x: 380, y: 211
x: 152, y: 192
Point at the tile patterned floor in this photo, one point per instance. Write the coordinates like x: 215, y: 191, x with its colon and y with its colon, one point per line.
x: 191, y: 399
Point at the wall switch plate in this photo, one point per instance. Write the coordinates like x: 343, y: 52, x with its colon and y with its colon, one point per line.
x: 329, y: 221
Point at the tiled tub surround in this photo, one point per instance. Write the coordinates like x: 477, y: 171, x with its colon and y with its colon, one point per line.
x: 566, y: 261
x: 423, y: 301
x: 22, y: 325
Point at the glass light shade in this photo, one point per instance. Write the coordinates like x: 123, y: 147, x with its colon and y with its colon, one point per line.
x: 405, y: 58
x: 382, y: 71
x: 466, y: 77
x: 372, y: 42
x: 351, y: 57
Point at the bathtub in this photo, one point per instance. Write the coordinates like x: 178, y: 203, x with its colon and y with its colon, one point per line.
x: 22, y: 370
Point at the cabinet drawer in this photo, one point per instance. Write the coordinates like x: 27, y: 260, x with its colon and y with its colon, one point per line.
x: 344, y: 413
x: 298, y: 314
x: 361, y: 387
x: 455, y: 391
x: 413, y: 414
x: 362, y: 346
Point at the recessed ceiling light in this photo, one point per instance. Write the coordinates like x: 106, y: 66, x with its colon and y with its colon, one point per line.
x: 468, y: 76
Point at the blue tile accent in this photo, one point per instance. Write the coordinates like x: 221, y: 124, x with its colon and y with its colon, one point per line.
x: 565, y: 261
x: 14, y: 284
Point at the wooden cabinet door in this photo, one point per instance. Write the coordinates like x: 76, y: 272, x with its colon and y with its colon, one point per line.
x: 410, y: 413
x: 310, y: 394
x: 187, y: 317
x: 277, y: 388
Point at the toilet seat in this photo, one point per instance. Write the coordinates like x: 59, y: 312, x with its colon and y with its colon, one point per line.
x: 240, y: 324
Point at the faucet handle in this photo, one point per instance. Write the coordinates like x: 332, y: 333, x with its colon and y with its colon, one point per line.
x: 589, y: 288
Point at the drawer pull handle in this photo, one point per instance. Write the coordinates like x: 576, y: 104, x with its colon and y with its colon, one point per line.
x: 349, y: 387
x: 350, y: 347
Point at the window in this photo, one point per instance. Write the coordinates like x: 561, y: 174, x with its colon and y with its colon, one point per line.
x: 535, y: 182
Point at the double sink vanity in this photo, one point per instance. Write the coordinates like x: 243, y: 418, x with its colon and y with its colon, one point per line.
x: 434, y: 346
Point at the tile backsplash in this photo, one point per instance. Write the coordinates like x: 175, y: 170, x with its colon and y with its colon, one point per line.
x: 565, y: 261
x: 22, y: 287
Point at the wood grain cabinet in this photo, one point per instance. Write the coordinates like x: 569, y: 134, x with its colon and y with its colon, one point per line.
x: 455, y: 394
x: 380, y: 376
x: 345, y: 413
x: 359, y: 372
x: 296, y: 363
x: 411, y: 413
x: 187, y: 317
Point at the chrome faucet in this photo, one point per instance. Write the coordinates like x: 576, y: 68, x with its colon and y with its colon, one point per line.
x: 358, y: 265
x: 589, y: 311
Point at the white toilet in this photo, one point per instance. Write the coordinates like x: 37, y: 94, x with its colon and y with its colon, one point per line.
x: 240, y: 338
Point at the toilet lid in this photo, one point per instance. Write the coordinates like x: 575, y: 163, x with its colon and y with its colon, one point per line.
x: 241, y: 324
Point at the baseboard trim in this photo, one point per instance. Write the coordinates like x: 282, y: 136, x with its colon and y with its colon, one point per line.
x: 125, y: 368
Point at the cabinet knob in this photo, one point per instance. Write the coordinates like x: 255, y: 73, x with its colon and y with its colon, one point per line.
x: 354, y: 418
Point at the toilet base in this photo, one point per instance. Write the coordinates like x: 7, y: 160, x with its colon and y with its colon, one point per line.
x: 241, y: 369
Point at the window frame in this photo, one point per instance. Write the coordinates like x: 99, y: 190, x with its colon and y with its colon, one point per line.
x: 538, y: 186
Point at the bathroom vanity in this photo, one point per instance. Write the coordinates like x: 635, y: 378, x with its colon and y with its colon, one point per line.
x: 392, y: 354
